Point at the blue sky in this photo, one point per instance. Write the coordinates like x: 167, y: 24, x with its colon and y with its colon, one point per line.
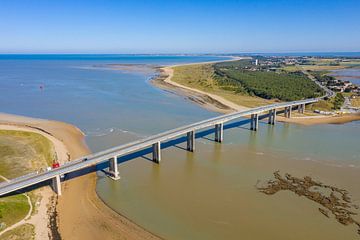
x: 39, y: 26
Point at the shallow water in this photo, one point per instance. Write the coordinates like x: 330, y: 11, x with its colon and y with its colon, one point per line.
x: 209, y: 194
x: 352, y: 75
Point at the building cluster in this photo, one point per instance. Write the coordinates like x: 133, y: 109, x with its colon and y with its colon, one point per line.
x: 274, y: 62
x: 337, y: 85
x: 281, y: 61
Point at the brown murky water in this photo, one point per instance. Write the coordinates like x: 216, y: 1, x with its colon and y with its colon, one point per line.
x: 212, y: 194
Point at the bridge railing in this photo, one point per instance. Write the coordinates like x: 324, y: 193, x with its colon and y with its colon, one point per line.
x: 148, y: 141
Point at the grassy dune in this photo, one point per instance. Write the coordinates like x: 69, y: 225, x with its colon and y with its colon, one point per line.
x: 23, y: 152
x: 201, y: 76
x: 20, y: 152
x: 25, y: 231
x: 12, y: 209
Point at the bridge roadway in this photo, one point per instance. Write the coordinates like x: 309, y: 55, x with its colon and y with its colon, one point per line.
x: 112, y: 153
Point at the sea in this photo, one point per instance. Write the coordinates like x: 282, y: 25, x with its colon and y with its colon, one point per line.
x: 208, y: 194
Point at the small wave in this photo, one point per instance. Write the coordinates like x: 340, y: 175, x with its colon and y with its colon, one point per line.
x: 103, y: 132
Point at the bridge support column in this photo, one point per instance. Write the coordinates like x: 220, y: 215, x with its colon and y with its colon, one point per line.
x: 273, y: 120
x: 254, y: 122
x: 113, y: 169
x: 219, y: 132
x: 156, y: 152
x: 302, y: 108
x: 270, y: 116
x: 56, y: 185
x: 191, y: 141
x: 288, y: 112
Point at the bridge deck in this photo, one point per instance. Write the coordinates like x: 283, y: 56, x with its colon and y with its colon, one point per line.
x: 96, y: 158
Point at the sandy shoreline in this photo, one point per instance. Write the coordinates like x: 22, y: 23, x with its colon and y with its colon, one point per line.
x: 79, y: 213
x: 217, y: 103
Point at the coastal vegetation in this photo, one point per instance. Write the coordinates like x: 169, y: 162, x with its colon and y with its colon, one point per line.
x: 25, y: 231
x: 338, y: 101
x: 12, y: 209
x: 202, y: 77
x: 23, y: 152
x: 246, y: 84
x: 235, y: 77
x: 20, y: 153
x: 329, y: 104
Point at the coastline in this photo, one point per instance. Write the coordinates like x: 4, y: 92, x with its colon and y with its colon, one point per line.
x: 95, y: 220
x: 78, y: 213
x: 217, y: 103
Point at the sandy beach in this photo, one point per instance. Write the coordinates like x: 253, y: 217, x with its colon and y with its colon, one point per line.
x: 217, y: 103
x: 80, y: 213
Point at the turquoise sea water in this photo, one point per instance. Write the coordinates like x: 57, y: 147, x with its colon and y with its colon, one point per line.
x: 208, y: 194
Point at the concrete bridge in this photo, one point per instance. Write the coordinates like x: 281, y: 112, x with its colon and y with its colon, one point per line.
x: 154, y: 141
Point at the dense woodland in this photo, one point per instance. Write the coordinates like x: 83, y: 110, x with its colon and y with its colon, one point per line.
x: 244, y: 77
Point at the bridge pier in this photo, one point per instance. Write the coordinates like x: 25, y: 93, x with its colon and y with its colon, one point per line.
x: 113, y: 168
x: 191, y: 141
x: 56, y: 185
x: 254, y: 122
x: 156, y: 152
x: 301, y: 108
x: 219, y: 132
x: 272, y: 116
x: 288, y: 112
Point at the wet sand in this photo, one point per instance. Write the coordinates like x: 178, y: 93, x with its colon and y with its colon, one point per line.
x: 80, y: 214
x: 337, y: 119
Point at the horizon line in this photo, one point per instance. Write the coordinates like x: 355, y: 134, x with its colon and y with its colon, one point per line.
x: 174, y: 53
